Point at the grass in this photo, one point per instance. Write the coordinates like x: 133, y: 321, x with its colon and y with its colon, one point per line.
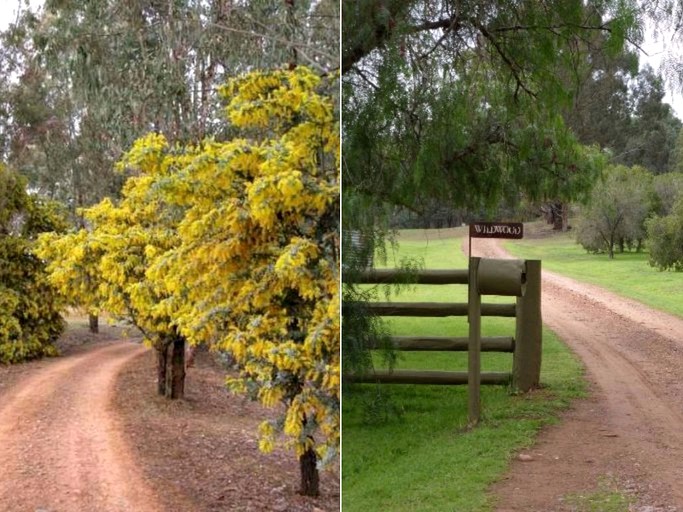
x: 420, y: 456
x: 608, y: 498
x: 628, y: 274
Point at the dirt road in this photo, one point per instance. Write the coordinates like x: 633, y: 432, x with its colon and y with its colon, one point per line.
x: 630, y: 432
x: 62, y: 448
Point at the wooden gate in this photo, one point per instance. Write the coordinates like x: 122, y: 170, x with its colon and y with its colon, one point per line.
x: 525, y: 344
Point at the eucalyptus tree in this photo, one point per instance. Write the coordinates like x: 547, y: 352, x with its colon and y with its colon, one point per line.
x: 653, y: 129
x: 94, y: 76
x: 602, y: 108
x: 621, y: 108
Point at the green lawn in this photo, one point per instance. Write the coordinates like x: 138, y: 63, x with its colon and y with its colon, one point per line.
x: 628, y: 274
x: 423, y: 458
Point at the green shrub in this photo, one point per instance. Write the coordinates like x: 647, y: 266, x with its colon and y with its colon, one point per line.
x: 665, y: 239
x: 30, y: 320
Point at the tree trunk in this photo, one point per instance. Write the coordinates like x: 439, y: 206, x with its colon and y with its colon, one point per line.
x: 162, y: 362
x: 175, y: 388
x: 565, y: 217
x: 309, y: 473
x: 557, y: 214
x: 94, y: 323
x: 557, y: 221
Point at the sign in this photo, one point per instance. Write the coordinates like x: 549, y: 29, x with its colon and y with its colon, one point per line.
x: 497, y: 230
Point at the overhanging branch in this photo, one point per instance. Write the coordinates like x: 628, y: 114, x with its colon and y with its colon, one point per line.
x: 353, y: 55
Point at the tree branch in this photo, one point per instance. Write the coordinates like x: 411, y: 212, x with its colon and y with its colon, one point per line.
x: 454, y: 25
x: 552, y: 28
x: 354, y: 54
x: 511, y: 65
x: 300, y: 47
x: 450, y: 23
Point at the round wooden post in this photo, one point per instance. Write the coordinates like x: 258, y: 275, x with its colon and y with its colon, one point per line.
x: 474, y: 347
x: 526, y: 367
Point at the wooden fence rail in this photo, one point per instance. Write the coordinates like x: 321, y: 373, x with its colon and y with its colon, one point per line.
x: 437, y: 309
x: 429, y: 377
x: 393, y: 276
x: 451, y: 344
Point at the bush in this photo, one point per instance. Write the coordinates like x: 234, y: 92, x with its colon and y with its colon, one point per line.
x: 665, y: 239
x: 668, y: 189
x: 30, y: 320
x: 616, y: 212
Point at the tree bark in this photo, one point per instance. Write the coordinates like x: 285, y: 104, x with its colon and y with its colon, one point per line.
x: 556, y: 214
x: 565, y: 217
x: 610, y: 248
x: 162, y: 362
x: 175, y: 387
x: 310, y: 479
x: 94, y: 323
x: 557, y: 220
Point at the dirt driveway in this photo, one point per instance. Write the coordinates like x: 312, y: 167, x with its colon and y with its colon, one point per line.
x: 630, y: 431
x: 86, y: 433
x: 62, y: 448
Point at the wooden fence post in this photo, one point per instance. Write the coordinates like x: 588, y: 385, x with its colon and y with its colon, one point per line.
x: 526, y: 366
x: 474, y: 348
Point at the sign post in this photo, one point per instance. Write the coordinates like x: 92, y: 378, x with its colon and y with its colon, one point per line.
x: 514, y: 230
x: 510, y: 230
x: 473, y: 346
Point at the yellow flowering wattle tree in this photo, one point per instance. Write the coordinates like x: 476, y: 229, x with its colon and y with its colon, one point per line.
x: 257, y: 263
x: 76, y: 276
x: 104, y: 267
x: 235, y: 244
